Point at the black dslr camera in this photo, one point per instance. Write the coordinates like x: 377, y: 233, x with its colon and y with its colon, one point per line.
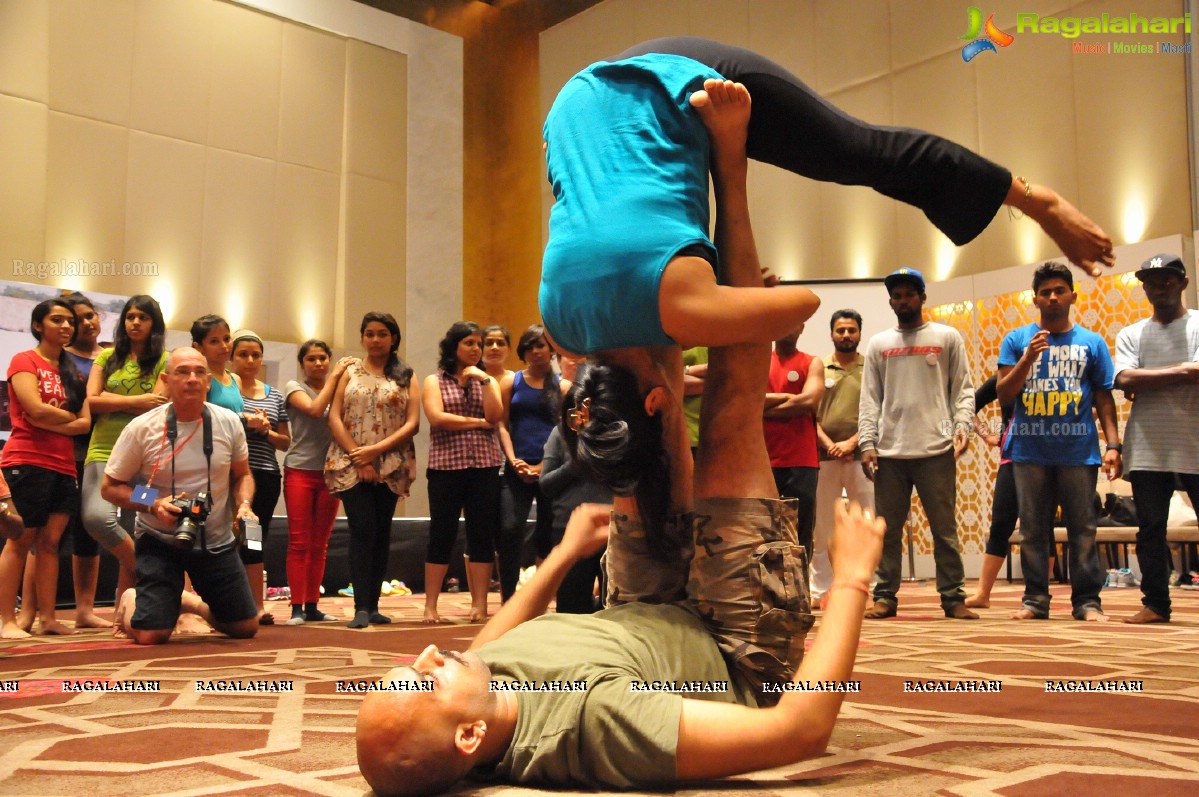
x: 193, y: 514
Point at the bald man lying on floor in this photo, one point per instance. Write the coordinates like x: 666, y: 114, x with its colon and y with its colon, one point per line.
x: 718, y: 600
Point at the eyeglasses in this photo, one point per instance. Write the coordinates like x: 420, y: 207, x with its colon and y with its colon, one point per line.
x: 580, y: 416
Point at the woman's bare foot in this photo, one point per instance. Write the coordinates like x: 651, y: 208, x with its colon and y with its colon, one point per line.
x: 724, y: 107
x: 55, y: 628
x: 91, y: 620
x: 978, y: 601
x: 1081, y: 240
x: 25, y: 621
x: 13, y: 631
x: 431, y: 617
x: 478, y: 615
x: 1094, y: 616
x: 1024, y: 614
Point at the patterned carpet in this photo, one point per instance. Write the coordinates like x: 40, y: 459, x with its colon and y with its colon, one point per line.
x: 1018, y: 741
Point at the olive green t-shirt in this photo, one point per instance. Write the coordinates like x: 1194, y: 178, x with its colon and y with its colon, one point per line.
x: 127, y: 380
x: 622, y: 731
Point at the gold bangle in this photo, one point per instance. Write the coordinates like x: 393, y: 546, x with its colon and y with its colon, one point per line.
x: 1018, y: 213
x: 858, y: 585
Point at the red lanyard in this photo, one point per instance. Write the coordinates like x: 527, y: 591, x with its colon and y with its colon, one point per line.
x: 166, y: 444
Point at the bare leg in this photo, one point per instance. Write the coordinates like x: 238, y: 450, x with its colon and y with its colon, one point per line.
x: 434, y: 575
x: 127, y: 559
x: 46, y: 575
x: 86, y: 573
x: 12, y: 566
x: 986, y: 580
x: 28, y: 611
x: 478, y: 575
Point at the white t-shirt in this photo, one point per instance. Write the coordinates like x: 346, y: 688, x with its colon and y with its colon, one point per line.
x: 143, y: 443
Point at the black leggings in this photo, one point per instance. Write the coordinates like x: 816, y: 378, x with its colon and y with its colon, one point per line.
x: 369, y: 508
x: 793, y: 128
x: 472, y: 492
x: 1005, y: 511
x: 267, y: 485
x: 516, y: 499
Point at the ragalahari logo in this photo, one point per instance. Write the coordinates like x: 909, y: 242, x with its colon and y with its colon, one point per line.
x: 985, y: 43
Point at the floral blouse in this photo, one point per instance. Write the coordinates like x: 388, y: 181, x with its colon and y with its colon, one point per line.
x: 373, y: 408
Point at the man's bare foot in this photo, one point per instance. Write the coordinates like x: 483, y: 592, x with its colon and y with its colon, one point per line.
x: 1025, y: 614
x: 724, y: 108
x: 1146, y: 615
x: 979, y: 601
x: 1095, y: 616
x: 55, y: 628
x: 13, y: 631
x: 189, y: 623
x: 91, y: 620
x: 1081, y: 240
x: 431, y: 617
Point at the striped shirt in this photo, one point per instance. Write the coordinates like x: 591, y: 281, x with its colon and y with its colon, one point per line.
x: 1163, y: 428
x: 262, y: 453
x: 463, y: 448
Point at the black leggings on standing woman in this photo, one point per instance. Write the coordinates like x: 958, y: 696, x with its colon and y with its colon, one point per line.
x: 369, y: 509
x: 472, y: 492
x: 794, y: 128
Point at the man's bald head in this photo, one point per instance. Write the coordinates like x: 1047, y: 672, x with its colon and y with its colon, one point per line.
x: 184, y: 354
x: 187, y: 381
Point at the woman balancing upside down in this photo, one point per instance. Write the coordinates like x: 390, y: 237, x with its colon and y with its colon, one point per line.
x: 630, y: 274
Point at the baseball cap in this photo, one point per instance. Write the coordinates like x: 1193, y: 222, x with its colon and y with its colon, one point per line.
x: 1162, y: 262
x: 899, y: 275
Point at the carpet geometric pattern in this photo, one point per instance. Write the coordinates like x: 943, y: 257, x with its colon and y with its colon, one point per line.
x: 1020, y: 740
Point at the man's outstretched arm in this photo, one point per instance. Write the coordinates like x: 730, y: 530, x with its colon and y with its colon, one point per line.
x: 720, y: 739
x: 586, y: 533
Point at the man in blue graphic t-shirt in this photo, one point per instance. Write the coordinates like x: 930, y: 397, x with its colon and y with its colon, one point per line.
x: 1056, y: 371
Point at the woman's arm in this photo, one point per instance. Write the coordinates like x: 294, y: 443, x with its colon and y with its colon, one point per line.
x: 103, y: 402
x: 439, y: 419
x: 336, y: 426
x: 315, y: 407
x: 408, y: 428
x: 506, y: 386
x: 696, y: 311
x: 280, y: 436
x: 39, y: 413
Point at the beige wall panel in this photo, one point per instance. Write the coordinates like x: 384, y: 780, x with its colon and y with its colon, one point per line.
x: 375, y: 244
x: 91, y: 56
x: 1038, y: 140
x: 23, y: 142
x: 921, y: 29
x: 25, y: 49
x: 312, y: 98
x: 164, y: 218
x: 938, y: 95
x: 723, y: 20
x: 85, y: 191
x: 858, y: 226
x: 786, y: 215
x: 172, y: 51
x: 653, y: 20
x: 1131, y: 177
x: 247, y: 52
x: 785, y: 32
x: 237, y: 258
x: 376, y: 112
x: 307, y: 204
x: 852, y: 42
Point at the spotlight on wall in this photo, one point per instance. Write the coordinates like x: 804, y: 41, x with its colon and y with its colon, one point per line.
x: 1134, y: 220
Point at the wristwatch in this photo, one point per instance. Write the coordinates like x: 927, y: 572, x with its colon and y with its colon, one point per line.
x: 1119, y: 449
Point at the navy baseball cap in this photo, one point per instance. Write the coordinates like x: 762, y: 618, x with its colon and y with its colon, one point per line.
x: 1162, y: 263
x: 909, y: 275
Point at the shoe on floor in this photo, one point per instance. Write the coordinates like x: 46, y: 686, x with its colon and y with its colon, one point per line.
x: 297, y: 620
x: 881, y: 610
x: 346, y: 592
x: 958, y: 611
x: 386, y: 589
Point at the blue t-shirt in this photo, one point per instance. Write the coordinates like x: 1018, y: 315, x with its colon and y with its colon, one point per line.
x: 628, y: 163
x: 1052, y: 423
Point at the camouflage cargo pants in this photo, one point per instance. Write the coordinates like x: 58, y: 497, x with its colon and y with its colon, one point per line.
x: 735, y: 562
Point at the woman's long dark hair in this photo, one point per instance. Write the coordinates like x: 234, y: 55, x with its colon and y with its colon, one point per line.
x: 447, y: 349
x: 621, y: 445
x: 72, y: 382
x: 551, y: 394
x: 396, y: 369
x: 122, y: 346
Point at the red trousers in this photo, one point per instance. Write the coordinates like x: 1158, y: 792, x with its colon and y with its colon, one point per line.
x: 311, y: 509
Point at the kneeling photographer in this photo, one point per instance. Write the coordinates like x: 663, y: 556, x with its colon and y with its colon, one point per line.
x: 185, y: 469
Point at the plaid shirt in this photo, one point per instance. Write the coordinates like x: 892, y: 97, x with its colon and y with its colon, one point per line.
x: 466, y: 448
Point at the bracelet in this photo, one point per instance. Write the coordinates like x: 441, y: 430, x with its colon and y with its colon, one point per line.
x: 1027, y: 193
x: 858, y: 585
x: 1119, y: 449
